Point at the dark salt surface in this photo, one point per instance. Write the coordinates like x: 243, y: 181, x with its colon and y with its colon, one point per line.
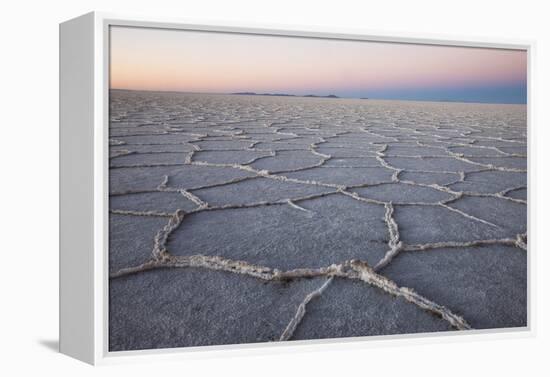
x: 229, y: 213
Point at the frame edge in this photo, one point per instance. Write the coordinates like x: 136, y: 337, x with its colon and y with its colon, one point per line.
x: 76, y: 188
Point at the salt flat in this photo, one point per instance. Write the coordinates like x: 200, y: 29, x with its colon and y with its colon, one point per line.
x: 240, y: 219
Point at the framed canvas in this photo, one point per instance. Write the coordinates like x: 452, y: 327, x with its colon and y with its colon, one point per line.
x: 231, y: 189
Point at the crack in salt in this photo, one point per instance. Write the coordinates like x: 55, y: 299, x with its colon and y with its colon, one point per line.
x: 394, y: 243
x: 352, y: 269
x: 296, y: 206
x: 471, y: 217
x: 301, y: 312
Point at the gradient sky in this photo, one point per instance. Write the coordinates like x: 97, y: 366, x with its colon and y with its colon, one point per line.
x: 189, y: 61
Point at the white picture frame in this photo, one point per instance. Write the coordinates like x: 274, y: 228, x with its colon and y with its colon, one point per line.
x: 84, y: 96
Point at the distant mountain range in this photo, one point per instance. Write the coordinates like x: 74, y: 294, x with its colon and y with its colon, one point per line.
x: 282, y: 95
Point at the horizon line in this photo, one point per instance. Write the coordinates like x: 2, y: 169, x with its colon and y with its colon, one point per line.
x: 282, y: 94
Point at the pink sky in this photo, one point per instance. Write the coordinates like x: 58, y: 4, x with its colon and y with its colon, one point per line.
x: 161, y: 59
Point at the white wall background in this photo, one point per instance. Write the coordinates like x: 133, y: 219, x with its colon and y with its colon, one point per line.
x: 29, y: 185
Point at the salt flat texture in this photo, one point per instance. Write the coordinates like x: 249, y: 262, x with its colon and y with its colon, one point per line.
x: 240, y: 219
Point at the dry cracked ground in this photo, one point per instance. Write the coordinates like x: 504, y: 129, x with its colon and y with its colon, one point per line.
x: 241, y: 219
